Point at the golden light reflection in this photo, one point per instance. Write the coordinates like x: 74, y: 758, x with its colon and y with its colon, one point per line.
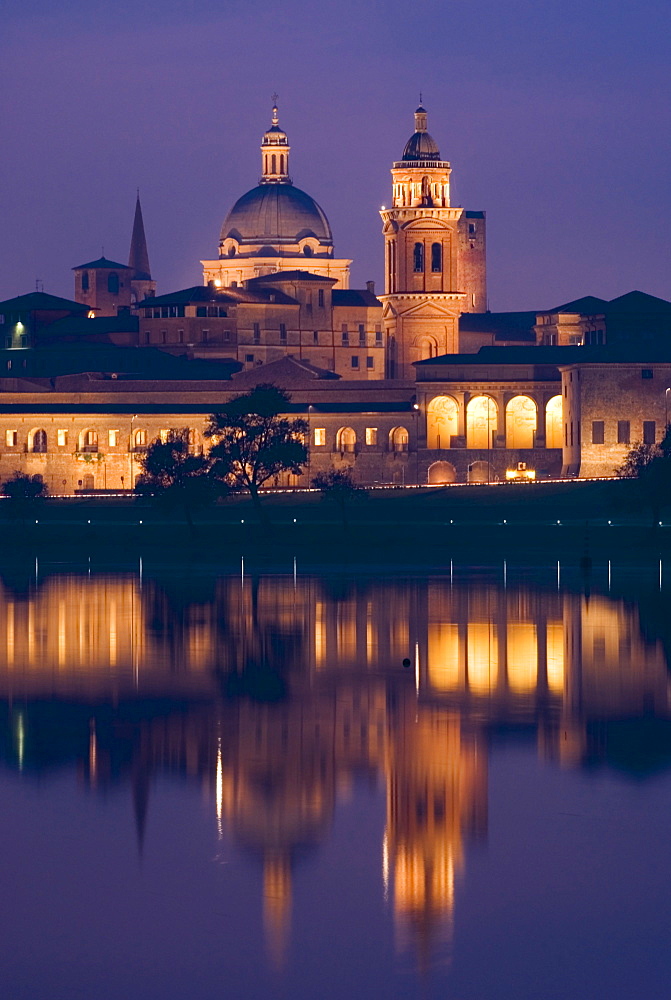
x: 443, y: 646
x: 483, y: 657
x: 522, y: 657
x: 555, y: 656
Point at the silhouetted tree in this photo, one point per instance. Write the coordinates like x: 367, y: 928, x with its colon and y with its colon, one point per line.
x: 337, y: 485
x: 25, y: 493
x: 175, y: 477
x: 650, y: 464
x: 253, y: 442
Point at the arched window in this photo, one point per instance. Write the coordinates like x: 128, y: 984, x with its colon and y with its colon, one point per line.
x: 398, y: 439
x: 481, y: 422
x: 281, y: 163
x: 85, y: 281
x: 441, y: 473
x: 113, y: 283
x: 427, y: 348
x: 38, y: 442
x: 231, y: 251
x: 441, y: 422
x: 520, y: 422
x: 273, y: 164
x: 436, y: 257
x: 140, y: 438
x: 307, y: 250
x: 345, y: 440
x: 553, y: 423
x: 88, y: 441
x: 418, y: 257
x: 481, y: 472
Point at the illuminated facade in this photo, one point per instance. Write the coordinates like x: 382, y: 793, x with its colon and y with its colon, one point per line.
x: 435, y: 265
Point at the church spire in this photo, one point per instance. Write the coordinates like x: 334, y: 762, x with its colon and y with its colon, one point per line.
x: 138, y: 258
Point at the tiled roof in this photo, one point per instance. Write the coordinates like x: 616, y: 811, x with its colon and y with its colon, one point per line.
x: 36, y: 301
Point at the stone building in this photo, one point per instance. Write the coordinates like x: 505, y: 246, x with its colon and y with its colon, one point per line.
x: 435, y: 266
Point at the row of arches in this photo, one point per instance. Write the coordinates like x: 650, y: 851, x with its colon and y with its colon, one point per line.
x: 346, y: 440
x: 482, y: 422
x: 271, y: 162
x: 442, y: 473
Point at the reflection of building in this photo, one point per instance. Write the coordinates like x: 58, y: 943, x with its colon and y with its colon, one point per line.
x: 136, y: 677
x: 436, y: 800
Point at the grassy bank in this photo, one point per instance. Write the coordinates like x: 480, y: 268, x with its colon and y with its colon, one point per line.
x: 544, y: 521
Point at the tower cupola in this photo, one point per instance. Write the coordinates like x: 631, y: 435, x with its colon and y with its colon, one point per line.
x: 275, y: 152
x: 421, y: 145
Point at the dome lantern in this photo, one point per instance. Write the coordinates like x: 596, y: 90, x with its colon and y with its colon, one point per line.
x: 275, y: 152
x: 421, y: 145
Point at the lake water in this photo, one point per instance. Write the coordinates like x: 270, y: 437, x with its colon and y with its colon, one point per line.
x: 230, y: 785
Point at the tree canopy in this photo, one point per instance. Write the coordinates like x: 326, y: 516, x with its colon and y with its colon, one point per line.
x: 254, y: 442
x: 174, y: 475
x: 339, y: 486
x: 24, y: 489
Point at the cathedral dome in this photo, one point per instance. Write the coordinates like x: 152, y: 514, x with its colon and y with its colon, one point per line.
x: 275, y: 214
x: 421, y: 145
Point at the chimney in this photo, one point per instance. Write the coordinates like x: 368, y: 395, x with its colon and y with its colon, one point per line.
x: 370, y: 285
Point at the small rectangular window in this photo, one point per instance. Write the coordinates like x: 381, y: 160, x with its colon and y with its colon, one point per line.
x: 164, y: 336
x: 371, y: 435
x: 249, y: 359
x: 112, y: 438
x: 201, y: 311
x: 362, y: 335
x: 355, y: 361
x: 320, y: 436
x: 205, y: 336
x: 597, y: 432
x: 320, y: 296
x: 227, y: 336
x: 345, y: 334
x: 257, y: 333
x: 648, y: 432
x: 315, y: 336
x: 370, y: 362
x: 62, y: 438
x: 180, y: 336
x: 623, y: 432
x: 283, y: 332
x: 378, y: 334
x: 646, y: 372
x: 11, y: 438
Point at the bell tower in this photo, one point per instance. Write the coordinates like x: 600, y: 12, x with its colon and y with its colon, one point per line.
x: 434, y: 257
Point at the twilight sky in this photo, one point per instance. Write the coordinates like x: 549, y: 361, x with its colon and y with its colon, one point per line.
x: 555, y: 115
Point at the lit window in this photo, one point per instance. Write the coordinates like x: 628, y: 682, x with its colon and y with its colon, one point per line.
x: 163, y: 434
x: 62, y: 438
x: 140, y: 438
x: 113, y: 438
x: 371, y: 435
x: 320, y: 436
x: 11, y: 438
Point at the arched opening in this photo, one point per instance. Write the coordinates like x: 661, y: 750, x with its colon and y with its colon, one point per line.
x: 441, y: 473
x: 427, y: 348
x: 554, y: 420
x: 281, y: 163
x: 37, y: 441
x: 442, y: 422
x: 345, y: 440
x: 436, y: 257
x: 307, y: 250
x: 140, y: 438
x: 85, y: 281
x: 418, y: 257
x: 113, y: 284
x: 88, y: 481
x: 521, y: 421
x: 481, y: 472
x: 231, y: 251
x: 398, y: 439
x: 273, y: 164
x: 481, y: 422
x: 88, y: 441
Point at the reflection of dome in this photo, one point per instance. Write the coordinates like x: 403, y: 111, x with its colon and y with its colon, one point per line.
x: 420, y: 145
x: 276, y: 214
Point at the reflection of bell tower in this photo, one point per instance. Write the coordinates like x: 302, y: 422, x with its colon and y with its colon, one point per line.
x: 434, y: 257
x: 437, y: 796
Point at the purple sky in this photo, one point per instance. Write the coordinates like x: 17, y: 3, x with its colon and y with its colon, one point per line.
x: 555, y: 115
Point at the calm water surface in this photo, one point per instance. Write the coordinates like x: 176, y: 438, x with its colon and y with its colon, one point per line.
x: 229, y: 785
